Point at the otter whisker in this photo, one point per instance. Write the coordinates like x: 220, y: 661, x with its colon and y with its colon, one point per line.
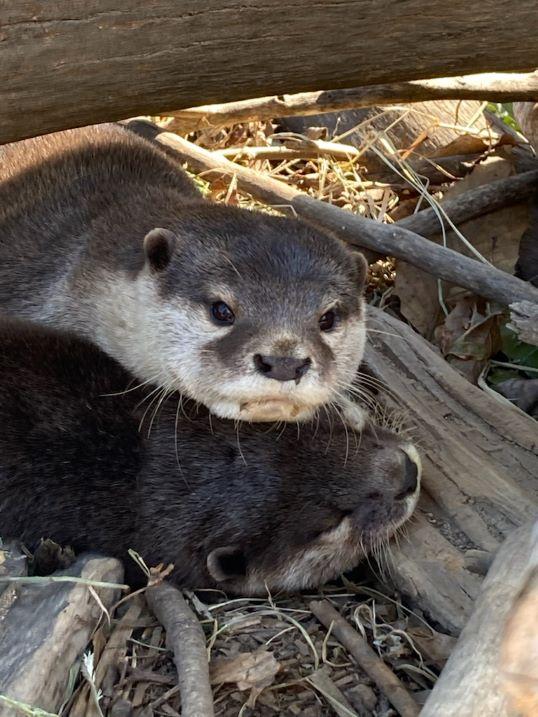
x: 236, y: 422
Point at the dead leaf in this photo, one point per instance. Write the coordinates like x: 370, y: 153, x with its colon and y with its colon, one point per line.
x: 470, y: 336
x: 249, y: 670
x: 435, y: 646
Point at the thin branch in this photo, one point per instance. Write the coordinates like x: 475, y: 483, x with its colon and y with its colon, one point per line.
x: 186, y: 639
x: 367, y: 659
x: 494, y: 87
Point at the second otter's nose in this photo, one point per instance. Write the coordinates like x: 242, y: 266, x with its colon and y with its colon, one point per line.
x: 282, y: 368
x: 410, y: 479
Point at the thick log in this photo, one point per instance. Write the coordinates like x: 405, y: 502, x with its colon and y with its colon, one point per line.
x: 490, y: 86
x: 67, y: 64
x: 46, y: 629
x: 473, y: 680
x: 480, y: 460
x: 363, y: 233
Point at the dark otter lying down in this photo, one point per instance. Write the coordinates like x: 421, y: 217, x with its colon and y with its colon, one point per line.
x: 240, y: 507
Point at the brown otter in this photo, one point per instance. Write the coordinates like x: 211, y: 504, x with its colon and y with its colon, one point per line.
x: 236, y: 506
x: 258, y: 317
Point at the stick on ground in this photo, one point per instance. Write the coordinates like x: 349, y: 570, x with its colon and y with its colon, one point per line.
x: 474, y: 203
x: 375, y: 668
x: 442, y: 263
x: 185, y: 637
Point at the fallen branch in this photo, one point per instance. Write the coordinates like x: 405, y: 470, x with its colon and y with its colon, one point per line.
x: 112, y: 656
x: 469, y: 684
x: 474, y: 203
x: 363, y: 233
x: 46, y: 629
x: 312, y: 149
x: 493, y: 87
x: 374, y: 667
x: 186, y: 639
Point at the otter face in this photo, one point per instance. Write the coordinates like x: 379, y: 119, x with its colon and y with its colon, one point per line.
x: 259, y: 318
x: 318, y: 518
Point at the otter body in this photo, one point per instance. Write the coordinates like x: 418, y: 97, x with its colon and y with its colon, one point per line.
x: 84, y: 462
x: 257, y: 317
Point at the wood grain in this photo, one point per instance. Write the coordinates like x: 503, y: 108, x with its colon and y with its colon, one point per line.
x: 73, y: 62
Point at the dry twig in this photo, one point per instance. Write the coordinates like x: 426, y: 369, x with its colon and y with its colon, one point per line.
x: 375, y: 668
x: 186, y: 639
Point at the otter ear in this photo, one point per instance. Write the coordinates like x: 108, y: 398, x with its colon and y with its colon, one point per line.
x: 158, y: 248
x: 227, y: 563
x: 361, y: 268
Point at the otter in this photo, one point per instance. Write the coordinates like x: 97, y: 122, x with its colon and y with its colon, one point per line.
x: 258, y: 317
x: 232, y: 505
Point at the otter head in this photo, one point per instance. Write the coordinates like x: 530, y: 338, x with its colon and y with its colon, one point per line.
x: 313, y: 510
x: 258, y: 317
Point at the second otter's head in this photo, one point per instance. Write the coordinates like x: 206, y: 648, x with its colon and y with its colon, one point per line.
x: 258, y: 317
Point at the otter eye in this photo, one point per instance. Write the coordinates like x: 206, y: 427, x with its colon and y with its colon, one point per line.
x: 327, y: 321
x: 222, y: 313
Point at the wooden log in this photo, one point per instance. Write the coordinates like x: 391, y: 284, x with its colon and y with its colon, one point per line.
x: 492, y: 87
x: 474, y: 203
x: 480, y: 460
x: 473, y: 680
x: 443, y: 263
x: 518, y: 655
x: 186, y: 639
x: 68, y: 64
x: 46, y: 629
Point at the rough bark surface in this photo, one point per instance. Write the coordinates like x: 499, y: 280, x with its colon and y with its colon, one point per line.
x: 493, y: 87
x: 72, y: 63
x: 46, y: 629
x: 480, y: 461
x: 472, y: 682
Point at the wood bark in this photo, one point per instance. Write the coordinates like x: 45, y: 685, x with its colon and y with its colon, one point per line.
x: 46, y: 629
x: 473, y: 681
x: 474, y: 203
x: 363, y: 233
x: 480, y: 460
x: 185, y: 637
x: 493, y: 87
x: 524, y: 321
x: 67, y: 64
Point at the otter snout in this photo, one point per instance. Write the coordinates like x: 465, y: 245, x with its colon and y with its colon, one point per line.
x: 282, y: 368
x: 410, y: 475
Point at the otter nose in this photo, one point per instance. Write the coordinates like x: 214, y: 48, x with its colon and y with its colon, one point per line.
x: 410, y: 478
x: 282, y: 368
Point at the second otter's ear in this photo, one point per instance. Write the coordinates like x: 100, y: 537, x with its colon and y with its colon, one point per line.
x: 158, y: 248
x: 361, y: 269
x: 227, y: 563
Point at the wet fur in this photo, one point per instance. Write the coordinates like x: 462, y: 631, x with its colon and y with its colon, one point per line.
x: 84, y: 462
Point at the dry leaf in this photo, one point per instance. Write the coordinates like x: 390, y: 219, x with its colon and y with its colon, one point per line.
x: 470, y: 336
x: 249, y: 670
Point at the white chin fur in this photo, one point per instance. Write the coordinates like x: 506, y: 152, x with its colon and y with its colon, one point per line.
x: 262, y: 411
